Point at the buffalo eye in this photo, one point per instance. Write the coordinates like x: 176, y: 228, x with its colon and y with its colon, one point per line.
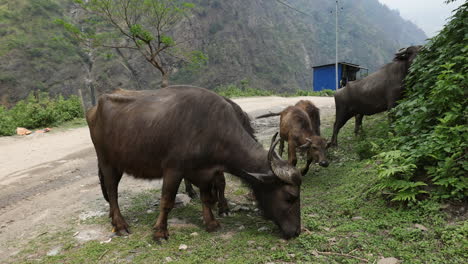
x: 290, y: 198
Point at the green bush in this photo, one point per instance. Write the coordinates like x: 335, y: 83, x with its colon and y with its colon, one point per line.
x: 427, y: 154
x: 7, y: 126
x: 39, y: 112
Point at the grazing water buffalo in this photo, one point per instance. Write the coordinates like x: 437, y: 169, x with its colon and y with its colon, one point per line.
x: 313, y: 112
x: 300, y: 127
x: 376, y: 93
x: 191, y: 132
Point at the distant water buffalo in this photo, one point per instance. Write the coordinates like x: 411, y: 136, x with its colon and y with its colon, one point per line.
x: 191, y: 132
x: 376, y: 93
x: 300, y: 127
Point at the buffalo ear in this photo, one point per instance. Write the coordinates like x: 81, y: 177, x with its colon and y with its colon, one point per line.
x: 262, y: 177
x: 401, y: 54
x: 306, y: 145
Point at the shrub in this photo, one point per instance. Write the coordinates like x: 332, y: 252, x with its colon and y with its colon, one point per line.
x: 39, y: 112
x: 430, y: 143
x: 7, y: 126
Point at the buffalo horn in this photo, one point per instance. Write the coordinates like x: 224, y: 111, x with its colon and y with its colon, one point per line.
x: 401, y: 53
x: 306, y: 145
x: 282, y: 172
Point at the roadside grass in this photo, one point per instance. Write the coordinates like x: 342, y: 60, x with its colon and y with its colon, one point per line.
x: 233, y: 91
x: 75, y: 123
x: 343, y: 223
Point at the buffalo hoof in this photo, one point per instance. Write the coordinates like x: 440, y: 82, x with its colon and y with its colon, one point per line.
x: 212, y: 226
x: 160, y: 234
x: 121, y: 228
x: 124, y: 232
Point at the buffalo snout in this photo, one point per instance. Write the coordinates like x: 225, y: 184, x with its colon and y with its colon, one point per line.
x: 289, y: 234
x: 323, y: 163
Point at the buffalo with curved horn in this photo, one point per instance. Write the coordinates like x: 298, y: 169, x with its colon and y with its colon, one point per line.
x: 191, y: 132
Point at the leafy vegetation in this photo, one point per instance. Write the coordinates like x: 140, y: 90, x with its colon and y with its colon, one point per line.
x: 41, y: 111
x: 426, y: 151
x: 144, y: 25
x: 33, y: 50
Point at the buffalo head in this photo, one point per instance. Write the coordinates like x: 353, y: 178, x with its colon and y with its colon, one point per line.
x: 278, y: 193
x: 408, y: 53
x: 316, y: 147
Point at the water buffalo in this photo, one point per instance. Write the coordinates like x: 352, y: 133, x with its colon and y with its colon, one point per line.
x: 376, y: 93
x: 300, y: 127
x: 313, y: 112
x: 191, y: 132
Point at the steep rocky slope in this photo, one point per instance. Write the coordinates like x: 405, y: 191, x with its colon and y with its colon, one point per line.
x: 261, y: 42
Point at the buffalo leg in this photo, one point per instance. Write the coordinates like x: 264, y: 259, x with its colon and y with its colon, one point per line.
x: 281, y: 147
x: 292, y: 159
x: 223, y: 208
x: 340, y: 120
x: 208, y: 198
x: 171, y: 182
x: 358, y: 124
x: 189, y: 189
x: 110, y: 181
x: 306, y: 168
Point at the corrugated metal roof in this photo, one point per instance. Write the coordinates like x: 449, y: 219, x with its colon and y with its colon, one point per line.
x: 343, y: 63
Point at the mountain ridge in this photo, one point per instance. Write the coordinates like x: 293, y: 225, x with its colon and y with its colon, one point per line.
x: 261, y: 43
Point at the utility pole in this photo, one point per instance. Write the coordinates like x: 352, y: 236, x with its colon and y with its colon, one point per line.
x: 336, y: 46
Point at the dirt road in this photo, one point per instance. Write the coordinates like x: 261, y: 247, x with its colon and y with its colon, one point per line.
x: 49, y: 180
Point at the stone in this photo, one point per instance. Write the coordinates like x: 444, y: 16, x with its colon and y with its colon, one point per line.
x: 183, y: 247
x: 182, y: 200
x: 388, y: 261
x: 168, y: 259
x: 55, y: 251
x: 421, y: 227
x: 194, y: 234
x: 263, y: 228
x: 357, y: 218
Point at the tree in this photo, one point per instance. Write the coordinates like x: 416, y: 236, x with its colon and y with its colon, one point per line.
x: 146, y: 26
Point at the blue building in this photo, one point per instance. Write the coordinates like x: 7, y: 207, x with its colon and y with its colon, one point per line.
x: 324, y: 75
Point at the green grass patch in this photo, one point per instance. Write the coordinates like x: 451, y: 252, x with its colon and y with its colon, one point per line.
x: 232, y: 91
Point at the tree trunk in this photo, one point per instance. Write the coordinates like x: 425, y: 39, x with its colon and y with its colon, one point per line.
x: 165, y: 80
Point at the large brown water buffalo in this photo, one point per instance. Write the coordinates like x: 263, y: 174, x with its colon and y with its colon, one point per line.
x: 376, y: 93
x: 300, y: 127
x: 191, y: 132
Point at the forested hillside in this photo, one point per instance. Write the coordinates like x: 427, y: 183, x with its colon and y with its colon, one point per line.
x: 262, y: 43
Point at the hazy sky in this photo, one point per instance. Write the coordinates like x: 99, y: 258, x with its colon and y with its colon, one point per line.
x: 429, y: 15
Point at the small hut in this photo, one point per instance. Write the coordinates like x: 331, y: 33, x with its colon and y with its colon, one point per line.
x: 324, y: 75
